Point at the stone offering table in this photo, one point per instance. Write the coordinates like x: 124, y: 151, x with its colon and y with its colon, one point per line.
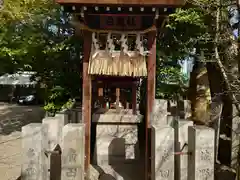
x: 116, y: 148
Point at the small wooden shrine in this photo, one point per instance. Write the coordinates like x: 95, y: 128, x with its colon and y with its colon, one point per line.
x: 119, y: 50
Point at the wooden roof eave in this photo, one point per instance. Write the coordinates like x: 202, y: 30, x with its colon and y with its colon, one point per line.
x: 149, y: 3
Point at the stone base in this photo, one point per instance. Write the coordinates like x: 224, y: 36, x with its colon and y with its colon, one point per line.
x: 112, y: 116
x: 224, y: 172
x: 116, y: 154
x: 116, y: 143
x: 122, y: 171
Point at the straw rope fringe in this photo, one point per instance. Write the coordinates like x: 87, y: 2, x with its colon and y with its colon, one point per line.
x: 116, y: 63
x: 119, y: 64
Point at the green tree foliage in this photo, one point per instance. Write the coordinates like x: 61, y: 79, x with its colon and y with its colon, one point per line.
x: 37, y: 36
x: 183, y: 32
x: 194, y: 27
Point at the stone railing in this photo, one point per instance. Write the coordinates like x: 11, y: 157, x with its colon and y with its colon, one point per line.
x: 179, y: 150
x: 53, y: 150
x: 46, y: 146
x: 183, y: 151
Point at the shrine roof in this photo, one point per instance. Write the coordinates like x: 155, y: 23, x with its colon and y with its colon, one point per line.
x: 125, y: 2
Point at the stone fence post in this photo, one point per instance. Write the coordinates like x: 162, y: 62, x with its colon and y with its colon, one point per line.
x: 159, y: 115
x: 201, y: 148
x: 73, y: 152
x: 34, y: 165
x: 235, y: 139
x: 64, y: 114
x: 181, y: 141
x: 54, y: 126
x: 162, y: 153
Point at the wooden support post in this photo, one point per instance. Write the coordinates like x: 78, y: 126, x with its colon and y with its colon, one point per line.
x: 100, y: 96
x: 134, y: 98
x: 151, y: 72
x: 86, y: 112
x: 117, y: 99
x: 151, y: 68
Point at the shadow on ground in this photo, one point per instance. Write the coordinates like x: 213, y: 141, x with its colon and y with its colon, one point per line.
x: 13, y: 117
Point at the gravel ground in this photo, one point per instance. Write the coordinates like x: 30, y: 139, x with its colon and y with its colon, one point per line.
x: 12, y: 118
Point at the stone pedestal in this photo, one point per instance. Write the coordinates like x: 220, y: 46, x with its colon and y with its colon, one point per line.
x: 116, y: 149
x: 162, y: 153
x: 201, y: 146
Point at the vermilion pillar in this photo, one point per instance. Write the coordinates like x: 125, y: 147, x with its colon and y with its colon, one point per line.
x: 86, y: 97
x: 151, y: 68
